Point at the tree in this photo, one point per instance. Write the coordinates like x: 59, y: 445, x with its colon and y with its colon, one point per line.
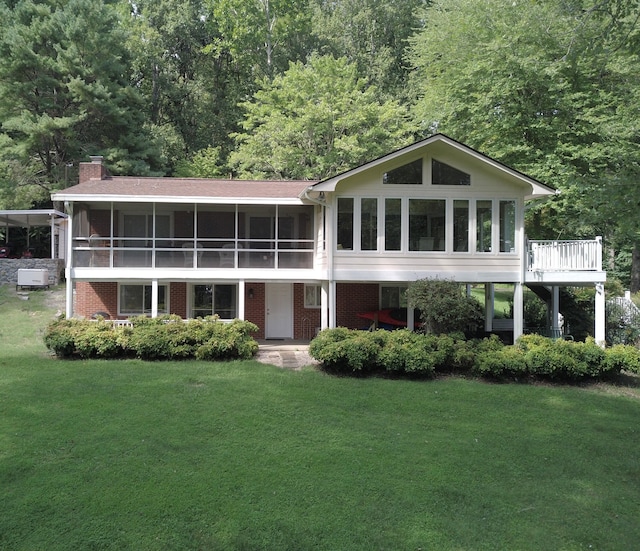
x: 370, y: 33
x: 443, y: 306
x: 64, y: 92
x: 315, y: 120
x: 550, y: 88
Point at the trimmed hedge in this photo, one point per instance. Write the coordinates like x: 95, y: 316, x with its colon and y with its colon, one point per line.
x: 162, y: 338
x: 404, y: 352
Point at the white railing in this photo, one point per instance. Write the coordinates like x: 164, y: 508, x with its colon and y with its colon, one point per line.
x: 565, y: 256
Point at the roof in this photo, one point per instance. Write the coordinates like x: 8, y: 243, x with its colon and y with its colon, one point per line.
x: 30, y: 218
x: 538, y: 189
x: 184, y: 190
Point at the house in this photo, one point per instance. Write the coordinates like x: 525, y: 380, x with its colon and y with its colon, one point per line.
x: 297, y: 256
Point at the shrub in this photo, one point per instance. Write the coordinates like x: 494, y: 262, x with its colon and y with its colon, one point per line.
x: 621, y: 357
x: 444, y: 308
x: 60, y: 337
x: 407, y: 352
x: 506, y: 362
x: 162, y: 338
x: 347, y: 351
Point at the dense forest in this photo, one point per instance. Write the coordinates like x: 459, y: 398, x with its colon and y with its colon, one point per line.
x: 307, y: 88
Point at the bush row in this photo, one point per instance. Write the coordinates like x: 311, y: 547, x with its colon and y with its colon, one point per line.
x: 162, y: 338
x: 348, y: 351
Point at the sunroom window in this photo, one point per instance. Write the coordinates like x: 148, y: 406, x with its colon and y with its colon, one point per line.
x: 426, y: 224
x: 406, y: 174
x: 345, y: 223
x: 444, y: 175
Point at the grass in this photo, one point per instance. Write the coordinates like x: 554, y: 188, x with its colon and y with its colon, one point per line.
x: 224, y: 456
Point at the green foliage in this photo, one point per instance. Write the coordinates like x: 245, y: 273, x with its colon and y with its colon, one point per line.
x: 535, y: 357
x: 622, y: 325
x: 64, y: 92
x: 163, y: 338
x: 444, y: 308
x: 316, y: 120
x: 347, y: 351
x: 622, y: 357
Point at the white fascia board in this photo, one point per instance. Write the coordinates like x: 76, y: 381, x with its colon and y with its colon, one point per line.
x: 98, y: 198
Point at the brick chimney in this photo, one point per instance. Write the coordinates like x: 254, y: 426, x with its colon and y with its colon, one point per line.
x: 94, y: 170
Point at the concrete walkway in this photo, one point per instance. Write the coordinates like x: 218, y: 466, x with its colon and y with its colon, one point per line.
x: 288, y: 354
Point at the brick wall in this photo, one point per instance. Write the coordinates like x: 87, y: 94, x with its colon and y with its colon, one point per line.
x: 92, y: 297
x: 352, y: 298
x: 254, y: 307
x: 178, y: 299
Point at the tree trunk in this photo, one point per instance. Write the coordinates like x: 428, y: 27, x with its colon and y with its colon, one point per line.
x: 634, y: 285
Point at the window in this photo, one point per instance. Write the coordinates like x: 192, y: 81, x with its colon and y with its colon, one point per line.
x: 407, y: 174
x: 312, y: 296
x: 214, y: 300
x: 461, y: 225
x: 507, y: 226
x: 392, y: 224
x: 345, y: 223
x: 426, y: 224
x: 136, y: 300
x: 369, y: 224
x: 483, y: 226
x: 393, y: 296
x: 445, y: 175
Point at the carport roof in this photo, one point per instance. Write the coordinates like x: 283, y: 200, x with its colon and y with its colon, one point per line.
x: 30, y: 218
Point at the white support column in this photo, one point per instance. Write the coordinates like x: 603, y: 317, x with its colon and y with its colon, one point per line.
x: 555, y: 311
x: 154, y: 298
x: 518, y: 310
x: 489, y: 296
x: 599, y: 329
x: 332, y: 304
x: 411, y: 322
x: 324, y: 305
x: 241, y: 298
x: 68, y: 263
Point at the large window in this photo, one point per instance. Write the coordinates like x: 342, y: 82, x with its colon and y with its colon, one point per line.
x: 392, y: 224
x: 406, y: 174
x: 507, y: 226
x: 426, y: 224
x: 461, y: 225
x: 369, y: 224
x: 345, y: 223
x: 483, y: 226
x: 135, y: 300
x: 219, y: 299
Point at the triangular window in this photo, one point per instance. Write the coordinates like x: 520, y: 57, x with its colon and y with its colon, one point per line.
x: 445, y: 175
x: 405, y: 174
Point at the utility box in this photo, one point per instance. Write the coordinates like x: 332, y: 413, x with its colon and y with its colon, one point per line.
x: 33, y: 277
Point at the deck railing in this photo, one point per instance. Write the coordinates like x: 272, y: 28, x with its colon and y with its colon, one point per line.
x: 565, y: 256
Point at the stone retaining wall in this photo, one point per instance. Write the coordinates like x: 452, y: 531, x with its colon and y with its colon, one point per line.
x: 9, y: 268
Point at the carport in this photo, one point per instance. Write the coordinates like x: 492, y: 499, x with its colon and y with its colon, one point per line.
x: 54, y: 219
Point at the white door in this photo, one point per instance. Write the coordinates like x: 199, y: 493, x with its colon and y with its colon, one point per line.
x: 279, y: 314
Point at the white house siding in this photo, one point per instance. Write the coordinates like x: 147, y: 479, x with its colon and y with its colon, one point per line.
x: 467, y: 268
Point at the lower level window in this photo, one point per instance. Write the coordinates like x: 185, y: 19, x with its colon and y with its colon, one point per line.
x: 136, y: 299
x: 393, y: 296
x: 312, y: 296
x: 219, y: 299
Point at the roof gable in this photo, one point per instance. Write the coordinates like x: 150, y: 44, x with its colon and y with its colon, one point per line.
x: 535, y: 188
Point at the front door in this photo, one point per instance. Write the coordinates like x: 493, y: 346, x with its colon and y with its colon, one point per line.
x: 279, y: 314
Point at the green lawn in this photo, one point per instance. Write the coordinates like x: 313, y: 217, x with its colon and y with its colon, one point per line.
x: 224, y: 456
